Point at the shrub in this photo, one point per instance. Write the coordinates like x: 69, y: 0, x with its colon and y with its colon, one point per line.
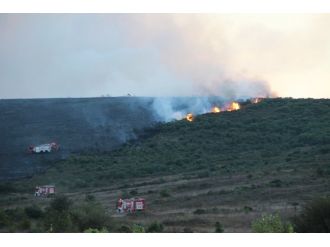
x: 164, y: 193
x: 89, y: 198
x: 25, y: 224
x: 200, y: 211
x: 319, y: 171
x: 59, y: 216
x: 133, y: 192
x: 247, y: 209
x: 155, y: 227
x: 187, y: 230
x: 276, y: 183
x: 90, y: 215
x: 124, y: 229
x: 58, y: 221
x: 138, y: 229
x: 15, y: 214
x: 4, y: 219
x: 271, y: 224
x: 60, y: 203
x: 315, y: 217
x: 6, y: 188
x: 34, y: 212
x: 218, y: 227
x: 204, y: 174
x: 93, y: 230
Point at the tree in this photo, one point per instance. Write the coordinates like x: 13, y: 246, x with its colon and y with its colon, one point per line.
x: 155, y: 227
x: 58, y: 216
x: 315, y: 217
x: 271, y: 224
x: 90, y: 214
x: 61, y: 203
x: 218, y: 227
x: 58, y: 221
x: 34, y: 211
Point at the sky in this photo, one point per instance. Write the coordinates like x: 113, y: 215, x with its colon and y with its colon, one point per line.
x: 232, y: 55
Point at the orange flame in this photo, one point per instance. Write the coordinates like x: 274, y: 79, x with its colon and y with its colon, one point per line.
x: 234, y: 106
x: 215, y: 109
x: 190, y: 117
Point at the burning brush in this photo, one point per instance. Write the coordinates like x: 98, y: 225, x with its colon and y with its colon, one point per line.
x: 233, y: 106
x: 190, y: 117
x: 215, y: 109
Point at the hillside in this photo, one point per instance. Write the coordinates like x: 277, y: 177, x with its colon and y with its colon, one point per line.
x: 231, y: 167
x: 77, y: 125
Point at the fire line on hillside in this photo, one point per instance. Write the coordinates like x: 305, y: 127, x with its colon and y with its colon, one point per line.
x: 233, y: 106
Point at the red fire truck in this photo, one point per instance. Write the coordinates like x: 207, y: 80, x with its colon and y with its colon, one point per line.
x: 45, y: 191
x: 44, y: 148
x: 130, y: 205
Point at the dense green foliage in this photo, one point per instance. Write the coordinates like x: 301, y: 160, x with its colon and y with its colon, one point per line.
x: 271, y: 224
x: 155, y: 227
x: 138, y: 229
x: 62, y: 215
x: 315, y: 217
x: 275, y: 133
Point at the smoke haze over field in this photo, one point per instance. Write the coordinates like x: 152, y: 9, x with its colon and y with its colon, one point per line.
x: 232, y: 56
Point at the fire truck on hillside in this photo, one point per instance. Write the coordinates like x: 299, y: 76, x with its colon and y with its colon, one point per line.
x: 45, y: 191
x: 44, y: 148
x: 130, y: 205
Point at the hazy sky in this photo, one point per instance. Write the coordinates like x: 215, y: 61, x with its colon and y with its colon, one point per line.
x: 81, y: 55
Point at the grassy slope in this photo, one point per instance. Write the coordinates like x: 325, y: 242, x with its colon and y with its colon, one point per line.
x: 266, y: 157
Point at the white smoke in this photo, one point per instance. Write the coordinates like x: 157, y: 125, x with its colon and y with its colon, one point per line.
x: 84, y: 55
x: 176, y: 108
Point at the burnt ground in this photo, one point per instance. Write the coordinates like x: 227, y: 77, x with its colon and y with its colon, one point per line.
x: 76, y: 124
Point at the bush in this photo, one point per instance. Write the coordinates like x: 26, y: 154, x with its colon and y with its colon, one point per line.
x: 25, y: 224
x: 93, y: 230
x: 6, y: 188
x: 155, y: 227
x: 89, y: 198
x: 15, y: 214
x: 58, y: 222
x: 247, y: 209
x: 200, y: 211
x: 133, y: 192
x: 218, y: 227
x: 90, y: 215
x: 271, y: 224
x: 59, y: 216
x: 187, y: 230
x: 4, y: 219
x: 164, y: 193
x: 124, y: 229
x: 315, y: 217
x: 138, y: 229
x: 276, y: 183
x: 61, y: 203
x: 34, y: 212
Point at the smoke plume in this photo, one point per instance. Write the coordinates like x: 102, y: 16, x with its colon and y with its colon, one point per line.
x: 231, y: 56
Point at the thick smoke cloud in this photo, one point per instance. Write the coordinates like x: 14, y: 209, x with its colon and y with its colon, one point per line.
x: 232, y: 56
